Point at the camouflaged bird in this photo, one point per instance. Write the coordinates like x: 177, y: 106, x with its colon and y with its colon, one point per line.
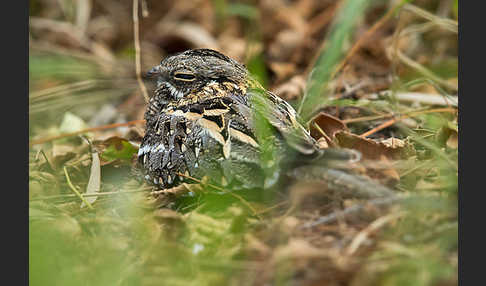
x: 203, y: 120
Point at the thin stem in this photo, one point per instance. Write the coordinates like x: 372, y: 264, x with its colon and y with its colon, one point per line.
x: 394, y: 120
x: 76, y: 191
x: 367, y: 35
x: 109, y: 126
x: 138, y: 66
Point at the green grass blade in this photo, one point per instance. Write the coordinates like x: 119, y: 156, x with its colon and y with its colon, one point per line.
x: 348, y: 16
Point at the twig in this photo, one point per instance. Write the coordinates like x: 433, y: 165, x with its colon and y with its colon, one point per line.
x: 83, y: 11
x: 382, y: 126
x: 426, y: 98
x: 375, y: 225
x: 394, y: 120
x: 76, y: 191
x: 109, y: 126
x: 411, y: 114
x: 138, y: 66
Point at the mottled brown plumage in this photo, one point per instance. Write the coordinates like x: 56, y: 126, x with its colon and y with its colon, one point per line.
x: 203, y: 120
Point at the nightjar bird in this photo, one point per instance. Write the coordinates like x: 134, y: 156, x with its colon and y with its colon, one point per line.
x: 208, y: 117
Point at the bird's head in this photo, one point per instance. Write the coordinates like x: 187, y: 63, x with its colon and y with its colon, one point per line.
x: 188, y: 73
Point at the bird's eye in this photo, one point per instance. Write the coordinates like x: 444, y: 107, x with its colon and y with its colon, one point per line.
x: 184, y: 76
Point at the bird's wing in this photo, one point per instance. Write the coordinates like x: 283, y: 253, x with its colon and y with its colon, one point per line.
x: 282, y: 116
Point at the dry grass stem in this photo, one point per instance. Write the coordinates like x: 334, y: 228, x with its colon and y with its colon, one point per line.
x: 394, y: 120
x: 374, y: 226
x: 73, y: 188
x: 367, y: 35
x: 109, y: 126
x: 138, y: 66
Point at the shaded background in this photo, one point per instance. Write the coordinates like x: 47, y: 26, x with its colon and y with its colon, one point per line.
x: 277, y: 40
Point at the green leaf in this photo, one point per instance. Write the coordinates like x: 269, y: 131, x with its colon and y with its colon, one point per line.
x: 118, y: 148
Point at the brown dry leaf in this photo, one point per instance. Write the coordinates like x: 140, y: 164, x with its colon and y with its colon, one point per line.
x: 382, y: 153
x: 392, y: 149
x: 328, y: 124
x: 322, y: 143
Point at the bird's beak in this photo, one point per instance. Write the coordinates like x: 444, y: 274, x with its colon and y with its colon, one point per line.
x: 154, y: 71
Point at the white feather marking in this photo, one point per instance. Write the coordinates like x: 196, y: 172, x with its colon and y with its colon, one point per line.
x: 215, y: 112
x: 212, y: 129
x: 178, y: 112
x: 227, y: 149
x: 242, y: 137
x: 192, y: 115
x: 160, y: 148
x: 143, y: 150
x: 177, y: 94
